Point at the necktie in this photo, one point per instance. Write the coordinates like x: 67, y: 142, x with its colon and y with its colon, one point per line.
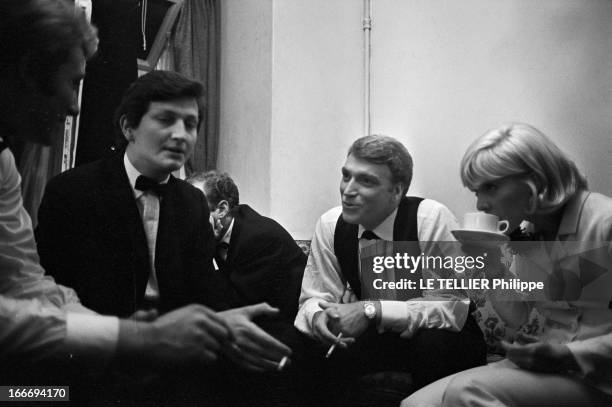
x: 149, y: 207
x: 369, y: 235
x: 221, y: 254
x: 144, y: 184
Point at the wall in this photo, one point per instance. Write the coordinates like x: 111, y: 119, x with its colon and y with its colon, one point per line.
x: 443, y: 72
x: 316, y: 106
x: 246, y: 94
x: 446, y: 71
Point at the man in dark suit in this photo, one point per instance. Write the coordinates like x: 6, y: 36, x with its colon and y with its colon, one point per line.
x: 261, y: 262
x: 257, y: 255
x: 128, y: 236
x: 122, y: 246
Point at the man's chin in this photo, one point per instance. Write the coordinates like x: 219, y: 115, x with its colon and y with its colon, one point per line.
x: 174, y: 163
x: 174, y: 167
x: 350, y: 217
x: 170, y: 164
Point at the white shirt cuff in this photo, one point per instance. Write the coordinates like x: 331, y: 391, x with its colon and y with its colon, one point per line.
x: 305, y: 315
x: 92, y: 335
x: 393, y: 316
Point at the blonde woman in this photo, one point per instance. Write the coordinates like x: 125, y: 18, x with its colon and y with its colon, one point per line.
x: 520, y: 175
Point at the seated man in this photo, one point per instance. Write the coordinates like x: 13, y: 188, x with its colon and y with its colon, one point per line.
x: 428, y: 336
x: 123, y: 232
x: 258, y: 256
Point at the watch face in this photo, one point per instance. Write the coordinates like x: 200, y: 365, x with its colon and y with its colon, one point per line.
x: 370, y: 311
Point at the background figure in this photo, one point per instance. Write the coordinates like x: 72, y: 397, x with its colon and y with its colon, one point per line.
x: 257, y: 255
x: 260, y: 261
x: 520, y: 175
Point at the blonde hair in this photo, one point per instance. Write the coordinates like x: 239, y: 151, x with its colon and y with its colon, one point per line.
x: 522, y: 151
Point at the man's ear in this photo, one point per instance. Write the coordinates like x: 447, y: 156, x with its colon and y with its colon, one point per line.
x: 398, y: 191
x: 126, y: 128
x: 223, y: 207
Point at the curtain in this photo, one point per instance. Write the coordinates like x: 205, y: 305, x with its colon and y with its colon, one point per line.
x: 196, y: 47
x: 165, y: 61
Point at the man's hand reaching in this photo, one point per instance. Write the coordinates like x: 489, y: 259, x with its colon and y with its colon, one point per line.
x: 253, y: 348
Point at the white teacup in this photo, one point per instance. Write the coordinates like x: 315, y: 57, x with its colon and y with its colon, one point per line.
x: 484, y: 222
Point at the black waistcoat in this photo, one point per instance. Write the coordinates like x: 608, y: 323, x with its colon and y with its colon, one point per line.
x: 346, y: 241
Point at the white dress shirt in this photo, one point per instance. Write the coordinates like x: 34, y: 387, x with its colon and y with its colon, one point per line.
x: 322, y: 282
x: 148, y: 203
x: 227, y: 237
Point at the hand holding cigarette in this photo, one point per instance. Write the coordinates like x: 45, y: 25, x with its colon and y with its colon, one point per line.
x: 333, y: 347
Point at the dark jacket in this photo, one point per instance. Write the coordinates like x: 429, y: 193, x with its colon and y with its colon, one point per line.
x: 263, y: 262
x: 91, y: 238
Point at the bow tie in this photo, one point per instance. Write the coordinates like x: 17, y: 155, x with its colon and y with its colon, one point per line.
x: 369, y: 235
x: 147, y: 184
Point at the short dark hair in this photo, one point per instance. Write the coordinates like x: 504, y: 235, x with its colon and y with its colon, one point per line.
x: 217, y: 186
x: 378, y: 149
x: 38, y: 36
x: 156, y: 86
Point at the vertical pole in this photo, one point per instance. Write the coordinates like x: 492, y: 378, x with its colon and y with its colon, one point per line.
x: 367, y: 28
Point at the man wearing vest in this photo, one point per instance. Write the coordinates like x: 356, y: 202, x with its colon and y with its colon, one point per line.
x: 430, y: 336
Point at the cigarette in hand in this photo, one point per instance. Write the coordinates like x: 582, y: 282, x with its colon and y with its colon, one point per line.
x: 282, y: 363
x: 331, y: 348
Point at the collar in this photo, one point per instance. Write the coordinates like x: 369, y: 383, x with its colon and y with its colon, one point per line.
x: 385, y: 229
x: 133, y: 173
x: 572, y: 213
x: 228, y: 233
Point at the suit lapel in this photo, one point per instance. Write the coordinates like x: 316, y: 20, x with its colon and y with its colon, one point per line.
x: 167, y: 243
x: 235, y: 237
x: 124, y: 222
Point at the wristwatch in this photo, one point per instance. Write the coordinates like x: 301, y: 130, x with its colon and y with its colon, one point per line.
x: 369, y: 309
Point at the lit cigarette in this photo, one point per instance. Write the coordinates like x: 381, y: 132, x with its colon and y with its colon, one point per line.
x: 282, y: 363
x: 331, y: 348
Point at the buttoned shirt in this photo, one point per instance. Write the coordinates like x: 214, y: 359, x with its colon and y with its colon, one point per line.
x: 322, y: 281
x: 227, y: 237
x: 148, y: 203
